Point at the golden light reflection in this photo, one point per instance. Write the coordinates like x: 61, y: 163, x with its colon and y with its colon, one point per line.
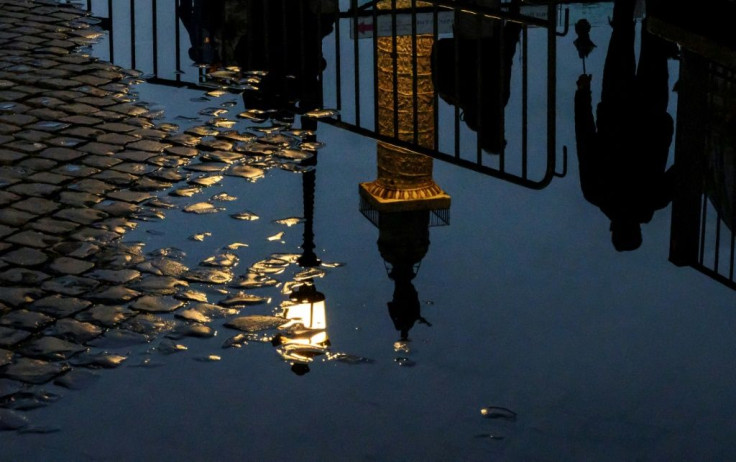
x: 304, y: 334
x: 406, y: 112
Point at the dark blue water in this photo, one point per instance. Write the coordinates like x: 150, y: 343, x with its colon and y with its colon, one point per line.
x: 602, y: 355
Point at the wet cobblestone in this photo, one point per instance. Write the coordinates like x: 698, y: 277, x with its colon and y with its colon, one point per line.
x: 81, y: 163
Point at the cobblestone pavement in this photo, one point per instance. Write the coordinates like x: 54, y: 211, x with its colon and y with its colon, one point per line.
x: 80, y: 164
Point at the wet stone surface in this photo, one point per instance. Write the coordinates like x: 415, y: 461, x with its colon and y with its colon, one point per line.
x: 79, y: 169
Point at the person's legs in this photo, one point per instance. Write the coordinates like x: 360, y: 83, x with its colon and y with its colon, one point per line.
x: 620, y: 67
x: 652, y: 77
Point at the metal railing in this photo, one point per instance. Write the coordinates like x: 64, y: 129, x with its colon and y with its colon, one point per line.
x: 353, y: 76
x: 703, y: 233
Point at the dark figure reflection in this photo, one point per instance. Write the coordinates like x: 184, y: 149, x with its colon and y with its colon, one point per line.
x: 284, y: 39
x: 622, y: 157
x: 472, y: 71
x: 280, y: 38
x: 403, y: 241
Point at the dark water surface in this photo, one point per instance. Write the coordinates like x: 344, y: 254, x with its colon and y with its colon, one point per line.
x: 599, y: 354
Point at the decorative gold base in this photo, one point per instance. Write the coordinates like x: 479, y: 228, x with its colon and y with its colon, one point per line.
x: 430, y: 197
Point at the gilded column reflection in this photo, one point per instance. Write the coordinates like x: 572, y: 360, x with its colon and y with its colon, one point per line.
x: 404, y: 200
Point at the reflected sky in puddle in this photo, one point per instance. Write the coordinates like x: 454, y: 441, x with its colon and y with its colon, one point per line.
x: 520, y: 302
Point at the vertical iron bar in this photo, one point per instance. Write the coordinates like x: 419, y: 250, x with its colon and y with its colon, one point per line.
x: 177, y: 39
x: 356, y: 64
x: 376, y: 92
x: 551, y: 84
x: 154, y: 19
x: 524, y: 104
x: 479, y: 125
x: 338, y: 76
x: 456, y: 80
x: 395, y: 62
x: 435, y: 33
x: 112, y: 47
x: 415, y: 89
x: 701, y: 258
x: 717, y: 249
x: 132, y: 34
x: 730, y: 260
x: 356, y: 57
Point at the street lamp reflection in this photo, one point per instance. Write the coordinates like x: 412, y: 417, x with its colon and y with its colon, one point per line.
x: 305, y: 329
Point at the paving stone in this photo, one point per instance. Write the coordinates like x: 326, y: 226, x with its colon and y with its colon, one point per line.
x: 17, y: 296
x: 66, y: 95
x: 109, y: 116
x: 182, y: 151
x: 34, y: 189
x: 65, y: 141
x: 134, y: 156
x: 61, y: 154
x: 48, y: 113
x: 81, y: 120
x: 149, y: 133
x: 23, y: 276
x: 14, y: 217
x: 80, y: 108
x: 148, y: 145
x: 95, y: 235
x: 117, y: 178
x: 118, y: 224
x: 75, y: 170
x: 33, y: 239
x: 68, y: 265
x: 53, y: 226
x: 48, y: 126
x: 128, y: 109
x: 76, y: 249
x: 134, y: 168
x: 8, y: 129
x: 32, y: 135
x: 8, y: 157
x: 117, y: 208
x: 117, y: 127
x: 95, y: 93
x: 117, y: 139
x: 49, y: 177
x: 83, y: 132
x: 26, y: 146
x: 83, y: 216
x: 25, y: 319
x: 100, y: 149
x: 37, y: 163
x: 8, y: 95
x: 79, y: 199
x: 44, y: 101
x: 6, y: 230
x: 59, y: 306
x: 25, y: 256
x: 36, y: 205
x: 10, y: 336
x: 92, y: 186
x: 150, y: 184
x: 18, y: 119
x: 101, y: 161
x: 92, y: 80
x: 70, y: 285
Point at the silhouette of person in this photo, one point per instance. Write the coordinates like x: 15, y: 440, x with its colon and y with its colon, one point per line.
x: 472, y: 71
x: 284, y: 39
x: 622, y: 156
x: 203, y: 21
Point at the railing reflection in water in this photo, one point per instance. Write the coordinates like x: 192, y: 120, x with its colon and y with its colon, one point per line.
x: 350, y: 77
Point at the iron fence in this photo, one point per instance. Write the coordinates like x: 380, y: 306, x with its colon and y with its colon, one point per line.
x: 350, y: 79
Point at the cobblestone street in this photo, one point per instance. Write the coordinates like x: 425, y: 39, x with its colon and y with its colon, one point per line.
x: 81, y: 164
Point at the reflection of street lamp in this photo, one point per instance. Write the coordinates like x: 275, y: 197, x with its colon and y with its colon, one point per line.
x: 306, y: 334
